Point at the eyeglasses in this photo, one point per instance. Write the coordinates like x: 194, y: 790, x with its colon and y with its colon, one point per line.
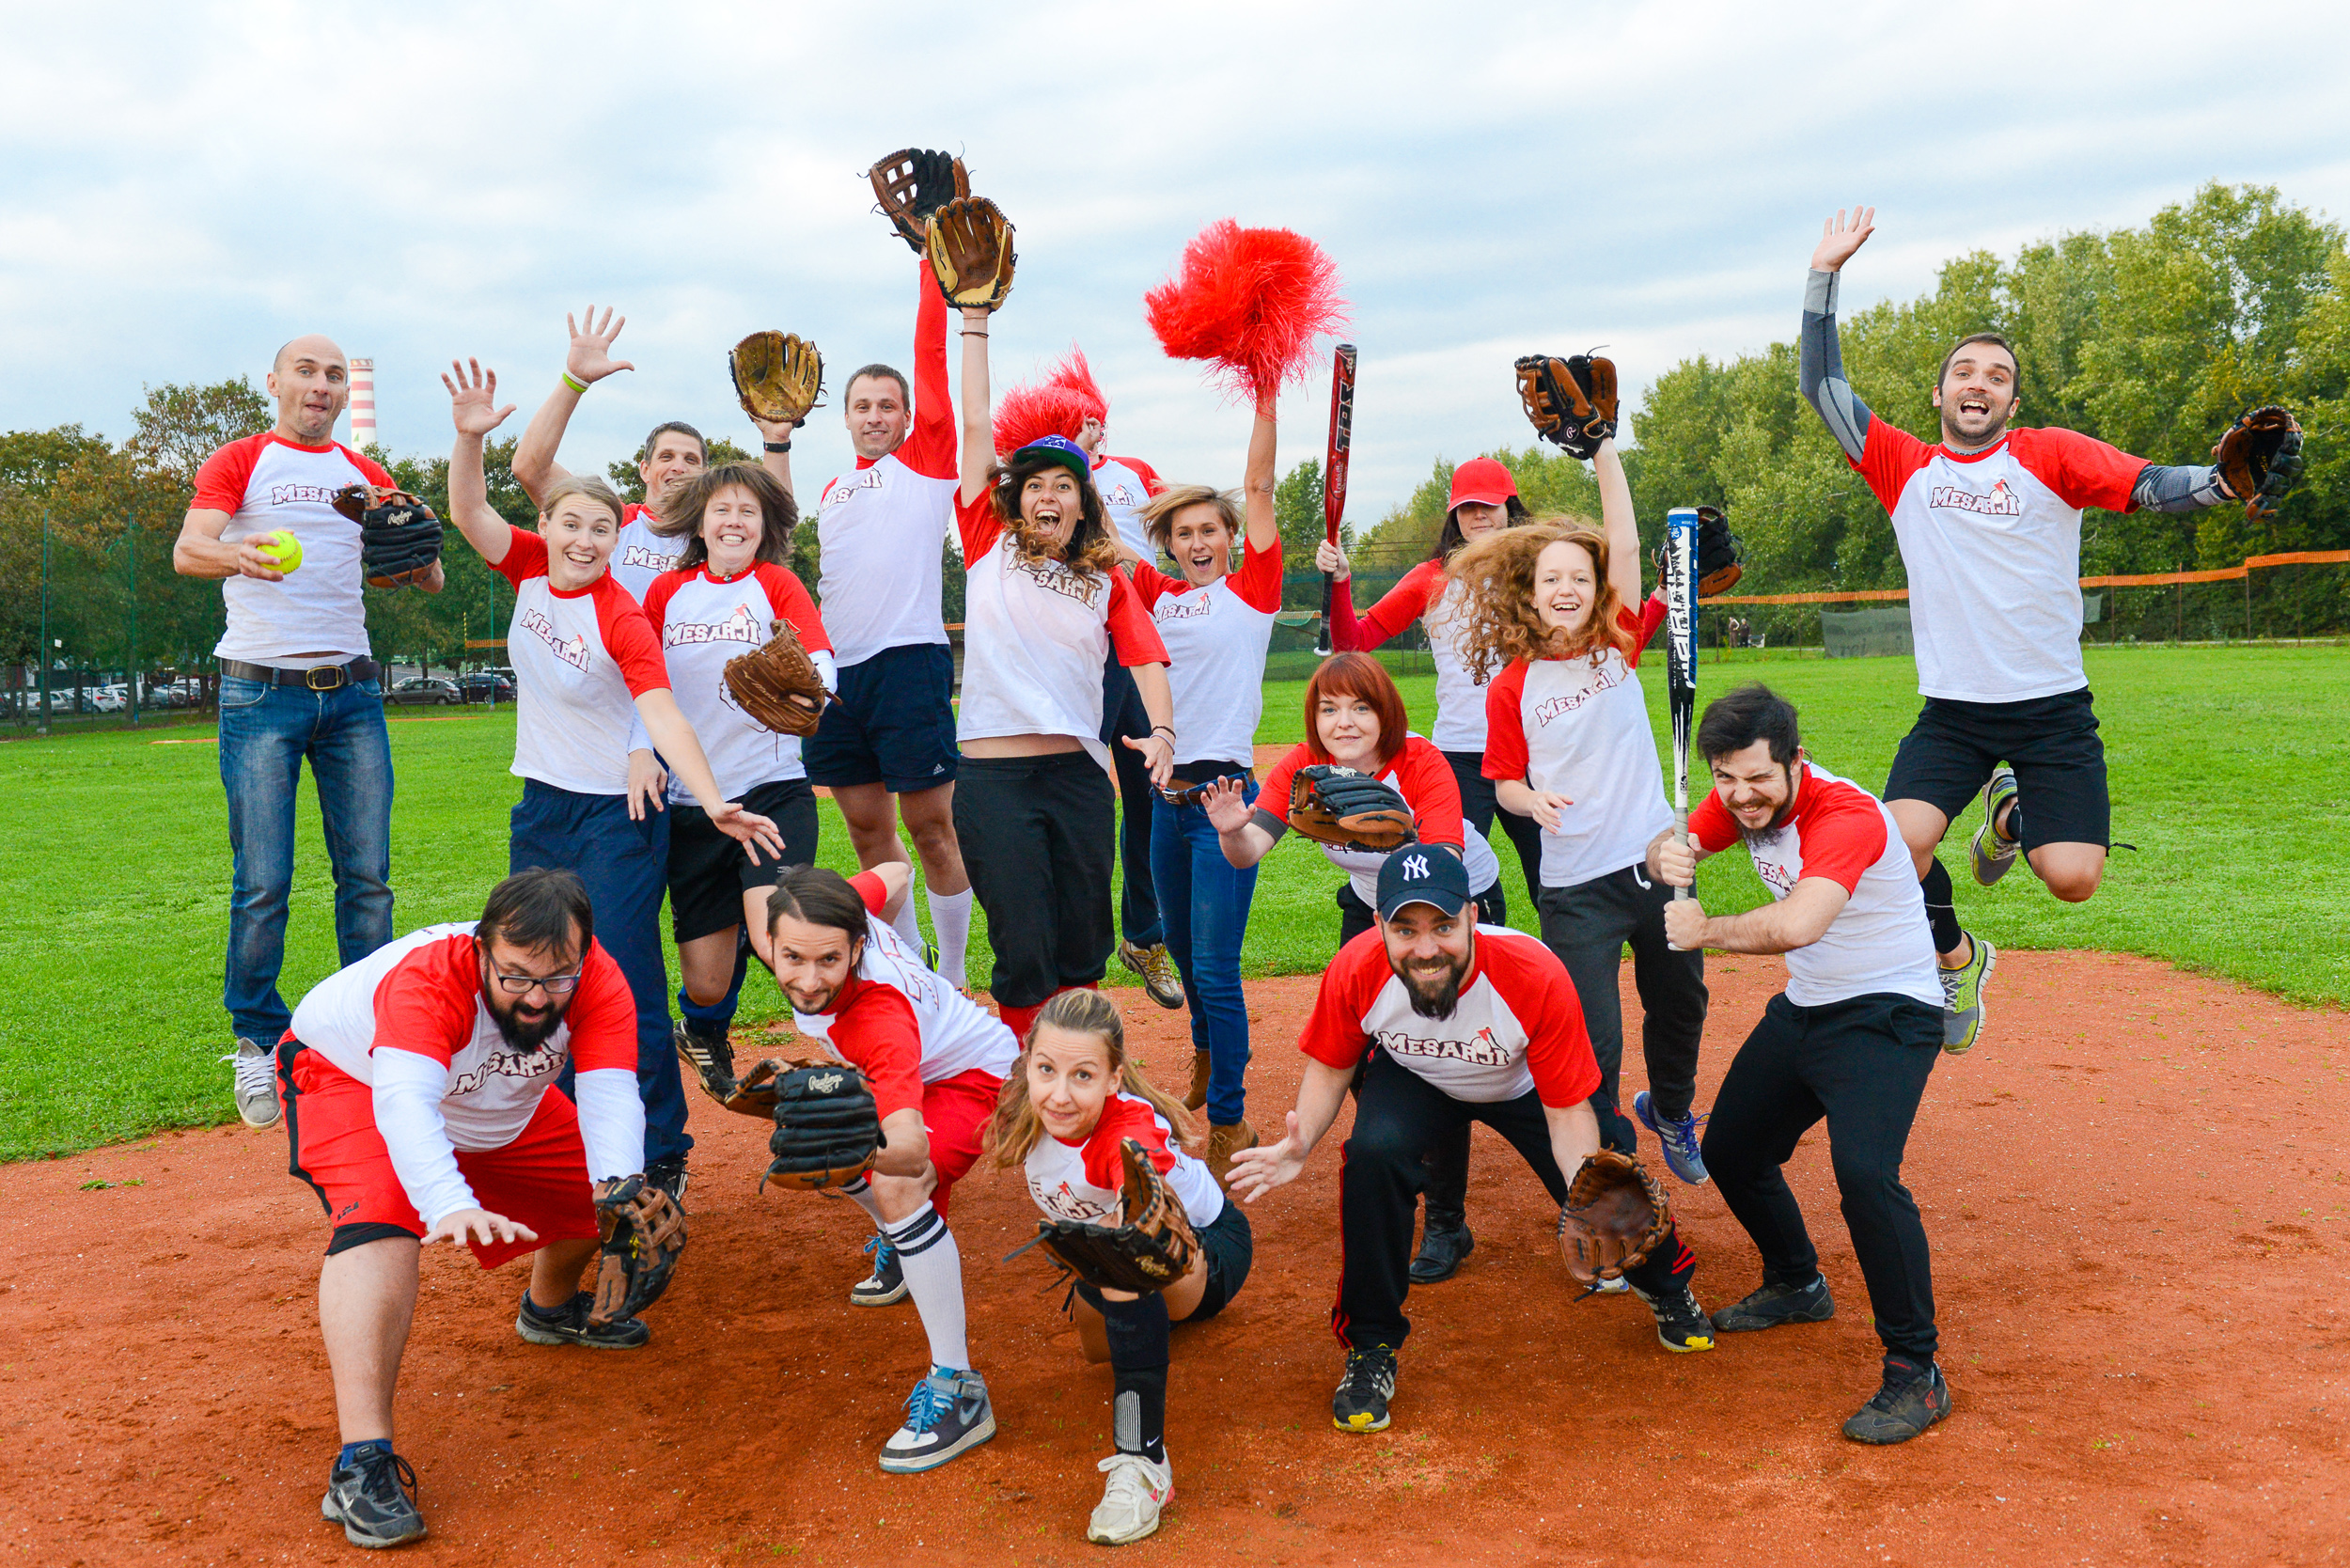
x: 556, y: 985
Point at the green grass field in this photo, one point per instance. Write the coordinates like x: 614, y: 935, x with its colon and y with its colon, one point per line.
x: 114, y: 853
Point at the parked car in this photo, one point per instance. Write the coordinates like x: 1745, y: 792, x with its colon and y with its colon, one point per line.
x: 108, y: 700
x: 486, y: 685
x: 424, y: 688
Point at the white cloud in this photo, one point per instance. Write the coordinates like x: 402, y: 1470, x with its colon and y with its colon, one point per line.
x: 190, y: 186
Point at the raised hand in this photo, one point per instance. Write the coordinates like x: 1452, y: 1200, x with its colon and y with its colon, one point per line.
x: 1841, y: 236
x: 473, y: 399
x: 590, y: 356
x: 1330, y: 559
x: 1225, y: 802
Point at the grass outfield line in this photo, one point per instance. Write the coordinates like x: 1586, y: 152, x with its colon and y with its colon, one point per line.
x: 114, y: 850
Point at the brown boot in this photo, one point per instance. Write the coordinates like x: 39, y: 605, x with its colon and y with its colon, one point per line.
x: 1223, y: 1143
x: 1198, y: 1094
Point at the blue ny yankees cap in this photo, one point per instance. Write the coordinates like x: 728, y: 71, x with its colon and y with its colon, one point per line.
x: 1422, y: 873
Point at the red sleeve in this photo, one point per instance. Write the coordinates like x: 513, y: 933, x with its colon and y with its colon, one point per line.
x: 1122, y: 1119
x: 1712, y: 825
x: 1151, y: 483
x: 870, y: 887
x: 627, y: 637
x: 1887, y: 458
x: 375, y: 471
x: 426, y: 1004
x: 1642, y: 624
x: 976, y: 520
x: 657, y: 599
x: 1404, y: 604
x: 788, y: 597
x: 220, y: 484
x: 1843, y: 833
x: 1346, y: 633
x: 526, y: 557
x: 930, y: 446
x: 1134, y: 635
x: 1152, y: 584
x: 2085, y: 471
x: 1505, y: 723
x: 877, y: 1033
x: 602, y: 1016
x: 1426, y: 781
x: 1334, y: 1034
x: 1558, y: 1045
x: 1258, y: 582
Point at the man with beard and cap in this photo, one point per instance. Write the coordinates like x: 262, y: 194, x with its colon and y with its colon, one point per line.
x: 420, y: 1104
x: 1447, y: 1021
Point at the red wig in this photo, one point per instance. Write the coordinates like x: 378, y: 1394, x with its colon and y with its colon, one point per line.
x: 1253, y: 301
x: 1356, y: 675
x: 1058, y: 405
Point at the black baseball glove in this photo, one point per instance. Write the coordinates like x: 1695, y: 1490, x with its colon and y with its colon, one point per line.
x: 1151, y: 1246
x: 1332, y: 805
x: 644, y: 1233
x: 911, y: 185
x: 399, y: 538
x: 2260, y: 457
x: 1571, y: 402
x: 1721, y: 559
x: 828, y: 1127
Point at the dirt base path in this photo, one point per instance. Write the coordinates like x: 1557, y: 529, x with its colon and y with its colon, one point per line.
x: 2135, y: 1188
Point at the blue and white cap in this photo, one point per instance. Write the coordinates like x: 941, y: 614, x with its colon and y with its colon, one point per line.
x: 1422, y: 873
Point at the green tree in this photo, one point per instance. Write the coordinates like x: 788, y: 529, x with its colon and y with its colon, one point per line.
x: 181, y: 426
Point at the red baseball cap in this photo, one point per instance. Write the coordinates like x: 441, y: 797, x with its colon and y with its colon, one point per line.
x: 1483, y: 480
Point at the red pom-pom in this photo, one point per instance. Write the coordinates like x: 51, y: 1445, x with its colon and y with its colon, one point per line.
x: 1075, y: 377
x: 1058, y: 405
x: 1251, y: 300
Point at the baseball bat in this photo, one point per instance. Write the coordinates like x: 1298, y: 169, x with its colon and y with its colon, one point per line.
x: 1681, y: 662
x: 1334, y: 470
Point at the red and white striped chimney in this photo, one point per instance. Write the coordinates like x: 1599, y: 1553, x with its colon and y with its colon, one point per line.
x: 363, y: 403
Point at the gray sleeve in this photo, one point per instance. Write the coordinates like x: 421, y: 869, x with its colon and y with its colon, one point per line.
x: 2186, y: 488
x: 1271, y: 824
x: 1823, y: 384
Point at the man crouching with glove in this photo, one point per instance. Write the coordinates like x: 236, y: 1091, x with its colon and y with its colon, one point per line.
x: 1447, y: 1023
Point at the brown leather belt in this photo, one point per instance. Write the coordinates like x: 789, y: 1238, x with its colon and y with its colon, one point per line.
x: 1183, y: 792
x: 321, y: 678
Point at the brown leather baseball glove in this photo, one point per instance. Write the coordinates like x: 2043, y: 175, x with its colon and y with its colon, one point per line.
x: 778, y: 685
x: 912, y: 184
x: 1571, y: 402
x: 778, y: 376
x: 2260, y: 457
x: 1615, y: 1216
x: 1149, y: 1249
x: 644, y: 1233
x: 1332, y: 805
x: 971, y: 254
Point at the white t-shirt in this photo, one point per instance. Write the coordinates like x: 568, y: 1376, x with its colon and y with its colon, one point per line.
x: 1991, y: 543
x: 1427, y: 595
x: 1579, y: 727
x: 1086, y: 1181
x: 1518, y: 1025
x: 1035, y: 635
x: 1216, y: 638
x: 1125, y: 484
x: 642, y: 555
x: 1422, y: 777
x: 581, y: 659
x: 265, y: 483
x: 704, y: 623
x: 1878, y: 942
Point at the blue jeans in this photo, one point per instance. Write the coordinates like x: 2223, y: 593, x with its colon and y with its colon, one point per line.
x: 1203, y: 898
x: 265, y: 732
x: 625, y: 865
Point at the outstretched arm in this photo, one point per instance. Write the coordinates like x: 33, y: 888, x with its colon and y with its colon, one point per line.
x: 1617, y: 522
x: 1823, y: 360
x: 1258, y: 479
x: 2162, y: 487
x: 472, y: 406
x: 1258, y: 1171
x: 588, y: 361
x: 978, y: 412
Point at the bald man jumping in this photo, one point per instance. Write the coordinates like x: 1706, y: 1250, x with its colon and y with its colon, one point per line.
x: 296, y: 685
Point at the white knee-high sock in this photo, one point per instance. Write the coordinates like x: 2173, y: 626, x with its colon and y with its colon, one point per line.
x: 950, y: 917
x: 862, y: 1191
x: 933, y: 1266
x: 909, y: 929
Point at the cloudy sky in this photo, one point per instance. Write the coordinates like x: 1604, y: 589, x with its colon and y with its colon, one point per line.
x: 189, y: 184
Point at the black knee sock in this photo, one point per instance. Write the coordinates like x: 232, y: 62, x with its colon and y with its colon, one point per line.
x: 1940, y: 915
x: 1137, y: 1336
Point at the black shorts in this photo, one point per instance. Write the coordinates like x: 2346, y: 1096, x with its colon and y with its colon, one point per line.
x: 2051, y: 742
x: 1230, y: 1247
x: 894, y: 724
x: 708, y: 872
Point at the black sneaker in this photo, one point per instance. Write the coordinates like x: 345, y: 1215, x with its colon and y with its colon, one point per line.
x: 568, y: 1325
x: 1910, y: 1401
x: 1682, y: 1325
x: 1361, y: 1403
x: 1443, y: 1249
x: 886, y: 1285
x: 947, y: 1414
x: 1776, y: 1304
x: 374, y: 1497
x: 668, y: 1174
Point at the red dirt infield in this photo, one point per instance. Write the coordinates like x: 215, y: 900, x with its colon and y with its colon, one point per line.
x: 2135, y: 1189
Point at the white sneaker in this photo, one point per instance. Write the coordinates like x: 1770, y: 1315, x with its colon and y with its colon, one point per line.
x: 1130, y: 1505
x: 256, y: 1083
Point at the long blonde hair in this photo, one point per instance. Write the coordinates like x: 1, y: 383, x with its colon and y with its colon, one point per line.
x: 1500, y: 623
x: 1016, y: 1128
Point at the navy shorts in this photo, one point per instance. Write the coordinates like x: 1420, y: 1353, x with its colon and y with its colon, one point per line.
x: 1231, y: 1248
x: 894, y: 724
x: 708, y: 872
x: 2051, y: 742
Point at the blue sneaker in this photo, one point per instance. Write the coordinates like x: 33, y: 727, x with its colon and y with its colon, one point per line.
x: 886, y: 1285
x: 946, y: 1414
x: 1680, y: 1140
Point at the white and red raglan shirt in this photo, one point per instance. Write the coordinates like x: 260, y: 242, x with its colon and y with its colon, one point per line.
x: 1216, y: 638
x: 901, y: 1024
x: 880, y: 528
x: 1036, y: 635
x: 409, y: 1020
x: 1086, y: 1181
x: 1125, y: 485
x: 703, y: 621
x: 1579, y: 727
x: 1518, y: 1025
x: 1427, y: 595
x: 581, y: 659
x: 1878, y: 942
x: 641, y: 556
x: 1424, y: 779
x: 264, y: 483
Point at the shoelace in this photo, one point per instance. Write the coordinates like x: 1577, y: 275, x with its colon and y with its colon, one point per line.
x: 1682, y: 1135
x: 1130, y: 1481
x: 1367, y: 1369
x: 254, y: 1072
x: 883, y: 1250
x: 386, y: 1477
x: 926, y: 1405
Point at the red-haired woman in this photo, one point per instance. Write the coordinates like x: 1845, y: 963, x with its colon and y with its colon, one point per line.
x: 1556, y: 609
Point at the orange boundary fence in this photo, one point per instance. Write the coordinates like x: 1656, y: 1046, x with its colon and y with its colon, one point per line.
x: 2150, y: 579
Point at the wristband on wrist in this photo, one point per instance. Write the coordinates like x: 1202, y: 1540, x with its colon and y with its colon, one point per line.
x: 1167, y: 729
x: 778, y: 445
x: 574, y: 382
